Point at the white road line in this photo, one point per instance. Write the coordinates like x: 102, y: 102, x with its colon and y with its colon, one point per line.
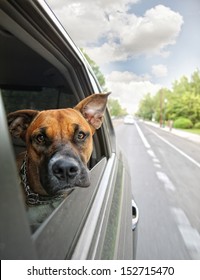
x: 180, y: 216
x: 151, y: 153
x: 161, y: 175
x: 144, y: 140
x: 190, y: 235
x: 165, y: 179
x: 148, y: 147
x: 175, y: 148
x: 156, y: 160
x: 157, y: 165
x: 191, y: 238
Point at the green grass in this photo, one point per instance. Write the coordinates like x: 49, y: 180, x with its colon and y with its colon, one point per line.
x: 192, y: 130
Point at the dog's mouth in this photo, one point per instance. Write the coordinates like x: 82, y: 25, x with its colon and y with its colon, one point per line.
x: 68, y: 189
x: 64, y: 174
x: 58, y: 177
x: 59, y: 187
x: 63, y: 192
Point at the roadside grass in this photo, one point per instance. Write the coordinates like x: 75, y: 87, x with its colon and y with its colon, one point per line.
x: 192, y: 130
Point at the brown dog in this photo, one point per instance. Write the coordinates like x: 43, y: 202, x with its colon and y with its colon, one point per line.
x: 59, y: 145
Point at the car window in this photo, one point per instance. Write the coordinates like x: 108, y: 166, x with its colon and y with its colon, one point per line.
x: 41, y: 98
x: 30, y: 80
x: 41, y: 68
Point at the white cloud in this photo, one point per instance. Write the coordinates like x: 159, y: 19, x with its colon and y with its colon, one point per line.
x: 126, y: 77
x: 150, y: 34
x: 88, y: 21
x: 83, y: 23
x: 102, y: 4
x: 159, y: 70
x: 114, y: 33
x: 109, y: 32
x: 129, y: 88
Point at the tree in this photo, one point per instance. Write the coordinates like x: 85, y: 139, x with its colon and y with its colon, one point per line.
x: 185, y: 98
x: 161, y: 104
x: 147, y: 107
x: 115, y: 108
x: 96, y: 69
x: 183, y: 101
x: 181, y: 86
x: 195, y: 82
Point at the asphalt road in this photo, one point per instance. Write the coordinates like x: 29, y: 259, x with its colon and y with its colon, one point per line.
x: 165, y: 171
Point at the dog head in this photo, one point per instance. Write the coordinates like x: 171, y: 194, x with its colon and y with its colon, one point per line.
x: 59, y: 143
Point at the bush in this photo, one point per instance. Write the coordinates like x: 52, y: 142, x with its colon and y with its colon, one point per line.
x: 183, y: 123
x: 197, y: 125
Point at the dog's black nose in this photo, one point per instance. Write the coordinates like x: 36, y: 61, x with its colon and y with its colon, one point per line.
x: 64, y: 169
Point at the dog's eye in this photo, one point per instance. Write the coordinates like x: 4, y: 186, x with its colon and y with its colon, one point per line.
x: 40, y: 139
x: 81, y: 135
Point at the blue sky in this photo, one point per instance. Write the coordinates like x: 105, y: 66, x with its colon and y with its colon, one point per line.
x: 185, y: 54
x: 140, y: 45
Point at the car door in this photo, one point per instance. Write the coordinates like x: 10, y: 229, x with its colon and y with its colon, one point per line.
x: 41, y: 68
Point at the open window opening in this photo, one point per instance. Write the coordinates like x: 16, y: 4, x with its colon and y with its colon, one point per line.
x: 28, y: 81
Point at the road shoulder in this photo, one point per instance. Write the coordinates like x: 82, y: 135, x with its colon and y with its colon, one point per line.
x: 184, y: 134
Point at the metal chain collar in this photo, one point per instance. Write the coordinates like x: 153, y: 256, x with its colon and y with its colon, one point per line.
x: 33, y: 198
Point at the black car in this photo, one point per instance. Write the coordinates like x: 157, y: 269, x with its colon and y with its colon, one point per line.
x: 41, y: 68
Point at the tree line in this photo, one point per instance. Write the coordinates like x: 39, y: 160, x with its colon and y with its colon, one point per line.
x: 180, y: 102
x: 115, y: 108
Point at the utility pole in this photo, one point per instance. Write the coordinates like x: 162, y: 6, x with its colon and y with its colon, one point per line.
x: 164, y: 112
x: 161, y: 107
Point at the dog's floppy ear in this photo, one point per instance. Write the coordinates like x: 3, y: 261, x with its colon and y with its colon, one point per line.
x: 19, y: 121
x: 92, y: 108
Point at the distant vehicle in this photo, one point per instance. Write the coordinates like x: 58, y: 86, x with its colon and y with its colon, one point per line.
x: 129, y: 119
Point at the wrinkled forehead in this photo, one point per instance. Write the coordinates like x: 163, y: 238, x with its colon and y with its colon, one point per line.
x: 59, y: 120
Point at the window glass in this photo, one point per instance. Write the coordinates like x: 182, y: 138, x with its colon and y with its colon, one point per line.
x: 41, y: 98
x: 33, y: 83
x: 94, y: 83
x: 36, y: 98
